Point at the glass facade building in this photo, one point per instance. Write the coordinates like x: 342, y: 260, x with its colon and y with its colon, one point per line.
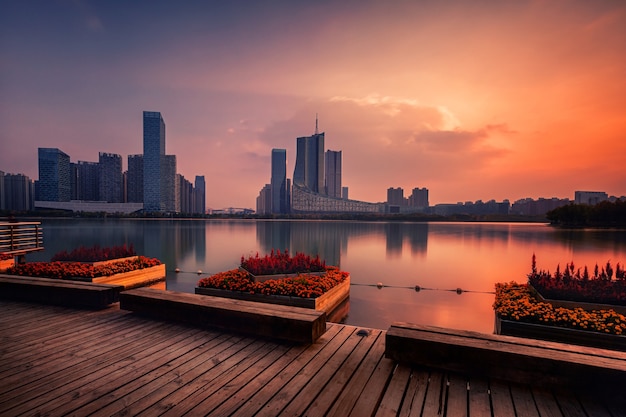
x: 309, y: 169
x: 134, y: 179
x: 279, y: 181
x: 110, y: 177
x: 54, y: 182
x: 333, y: 173
x: 153, y: 152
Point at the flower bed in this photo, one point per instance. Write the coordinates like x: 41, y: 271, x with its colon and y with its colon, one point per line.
x: 95, y: 254
x: 6, y: 262
x: 132, y: 272
x: 322, y: 291
x: 576, y: 285
x: 519, y: 313
x: 282, y: 263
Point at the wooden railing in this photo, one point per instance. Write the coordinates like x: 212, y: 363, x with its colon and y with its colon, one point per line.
x: 20, y: 238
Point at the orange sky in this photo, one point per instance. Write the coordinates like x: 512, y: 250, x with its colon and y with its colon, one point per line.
x: 473, y: 100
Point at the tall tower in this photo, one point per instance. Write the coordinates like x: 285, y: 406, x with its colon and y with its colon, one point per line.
x: 309, y: 169
x: 153, y: 152
x: 333, y: 173
x: 110, y: 167
x: 135, y: 179
x: 279, y: 181
x: 54, y: 175
x: 200, y: 193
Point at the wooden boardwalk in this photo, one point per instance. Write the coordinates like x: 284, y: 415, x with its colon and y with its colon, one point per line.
x: 60, y: 361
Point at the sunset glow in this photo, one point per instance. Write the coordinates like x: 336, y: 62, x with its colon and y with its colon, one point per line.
x: 472, y: 100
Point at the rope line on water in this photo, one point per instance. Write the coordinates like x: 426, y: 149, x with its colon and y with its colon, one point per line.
x: 379, y: 285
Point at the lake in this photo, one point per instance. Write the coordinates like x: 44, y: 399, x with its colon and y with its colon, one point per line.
x: 437, y: 257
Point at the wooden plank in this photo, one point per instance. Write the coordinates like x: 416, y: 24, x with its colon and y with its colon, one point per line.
x: 338, y: 383
x: 275, y: 395
x: 206, y: 379
x: 58, y: 292
x: 569, y: 404
x: 374, y: 389
x: 392, y: 400
x: 457, y: 397
x: 356, y: 384
x: 546, y: 403
x: 435, y: 395
x: 415, y: 393
x: 278, y: 322
x: 501, y: 401
x: 72, y: 375
x: 206, y: 347
x: 523, y: 401
x: 511, y: 359
x: 479, y: 401
x: 101, y: 381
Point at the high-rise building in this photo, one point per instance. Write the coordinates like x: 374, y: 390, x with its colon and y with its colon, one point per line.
x: 333, y: 173
x: 590, y: 197
x: 395, y: 196
x: 16, y: 192
x: 134, y: 181
x: 419, y: 198
x: 264, y: 200
x: 87, y: 181
x: 279, y: 181
x: 153, y: 152
x: 200, y: 195
x: 309, y: 169
x: 110, y: 167
x: 170, y: 188
x: 54, y: 175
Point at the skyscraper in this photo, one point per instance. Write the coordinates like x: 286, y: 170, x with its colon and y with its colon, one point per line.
x: 54, y: 175
x: 333, y: 173
x: 87, y: 181
x: 110, y: 167
x: 134, y: 190
x: 153, y: 152
x: 309, y: 169
x: 170, y: 188
x: 279, y: 181
x: 200, y: 195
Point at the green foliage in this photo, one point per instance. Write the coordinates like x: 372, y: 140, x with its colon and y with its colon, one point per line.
x: 604, y: 214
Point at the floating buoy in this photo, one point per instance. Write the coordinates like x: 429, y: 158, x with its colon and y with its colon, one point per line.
x: 177, y: 270
x: 418, y: 288
x: 459, y: 291
x: 199, y: 272
x: 379, y: 285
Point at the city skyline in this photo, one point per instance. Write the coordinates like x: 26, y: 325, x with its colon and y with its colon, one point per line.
x: 474, y: 101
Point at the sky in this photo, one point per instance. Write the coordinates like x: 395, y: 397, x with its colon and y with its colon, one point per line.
x: 478, y: 100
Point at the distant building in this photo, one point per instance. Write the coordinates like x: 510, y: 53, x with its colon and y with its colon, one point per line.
x: 309, y: 169
x: 590, y: 197
x: 264, y: 200
x: 419, y: 198
x: 54, y: 182
x: 395, y: 197
x: 200, y: 195
x: 87, y: 180
x: 539, y: 207
x: 110, y: 169
x: 16, y: 192
x: 332, y: 165
x: 278, y: 181
x: 153, y: 153
x: 169, y: 185
x: 344, y: 193
x: 134, y: 179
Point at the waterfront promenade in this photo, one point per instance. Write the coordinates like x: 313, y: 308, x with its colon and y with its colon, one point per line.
x: 62, y: 361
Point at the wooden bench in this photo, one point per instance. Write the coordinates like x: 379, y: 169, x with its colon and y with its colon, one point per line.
x: 59, y: 292
x: 506, y: 358
x: 294, y: 324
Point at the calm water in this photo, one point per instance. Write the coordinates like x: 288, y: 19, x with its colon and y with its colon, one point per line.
x: 439, y: 257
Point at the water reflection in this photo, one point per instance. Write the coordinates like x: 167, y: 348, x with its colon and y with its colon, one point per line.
x: 439, y: 256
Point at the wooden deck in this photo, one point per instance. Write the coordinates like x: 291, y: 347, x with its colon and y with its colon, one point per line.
x: 61, y: 361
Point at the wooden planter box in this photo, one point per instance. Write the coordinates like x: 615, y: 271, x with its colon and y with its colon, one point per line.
x: 327, y: 302
x: 578, y: 304
x: 6, y: 264
x: 560, y: 334
x: 132, y: 279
